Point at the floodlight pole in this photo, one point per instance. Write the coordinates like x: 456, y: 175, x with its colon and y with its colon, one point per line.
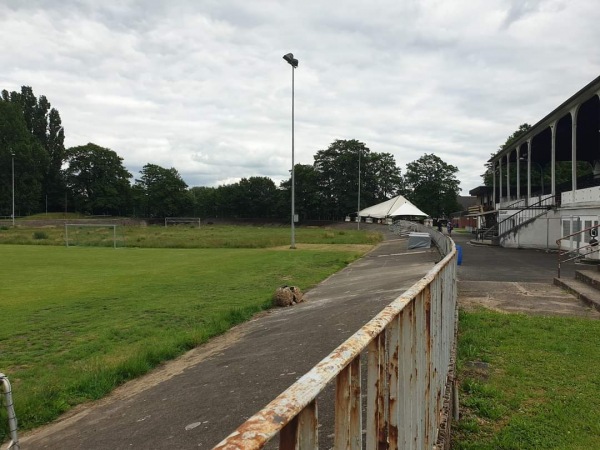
x: 294, y: 63
x: 13, y: 187
x: 358, y: 210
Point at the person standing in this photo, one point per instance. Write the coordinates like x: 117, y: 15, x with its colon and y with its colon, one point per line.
x: 449, y: 228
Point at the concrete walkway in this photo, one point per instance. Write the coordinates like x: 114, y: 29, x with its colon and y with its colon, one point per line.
x: 515, y: 280
x: 201, y: 397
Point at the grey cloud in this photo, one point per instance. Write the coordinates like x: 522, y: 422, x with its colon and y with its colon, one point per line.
x: 201, y: 86
x: 519, y: 9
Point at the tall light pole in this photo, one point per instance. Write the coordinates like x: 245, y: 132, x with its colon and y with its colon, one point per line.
x: 294, y: 63
x: 358, y: 210
x: 12, y: 154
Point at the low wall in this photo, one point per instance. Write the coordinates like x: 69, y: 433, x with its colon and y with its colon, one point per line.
x: 540, y: 234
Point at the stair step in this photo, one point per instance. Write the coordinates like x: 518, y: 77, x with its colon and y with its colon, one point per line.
x: 581, y: 290
x: 590, y: 277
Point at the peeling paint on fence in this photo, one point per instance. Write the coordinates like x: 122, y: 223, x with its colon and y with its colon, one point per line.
x: 12, y: 418
x: 408, y: 349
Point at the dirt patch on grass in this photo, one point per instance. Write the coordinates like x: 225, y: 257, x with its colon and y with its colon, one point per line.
x: 359, y: 248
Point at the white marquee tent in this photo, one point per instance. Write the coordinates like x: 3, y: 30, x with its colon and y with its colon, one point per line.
x: 397, y: 206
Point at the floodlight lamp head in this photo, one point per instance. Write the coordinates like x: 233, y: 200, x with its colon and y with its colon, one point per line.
x: 291, y: 60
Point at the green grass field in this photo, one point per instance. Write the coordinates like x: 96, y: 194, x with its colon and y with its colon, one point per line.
x: 209, y: 236
x: 78, y: 322
x: 541, y: 388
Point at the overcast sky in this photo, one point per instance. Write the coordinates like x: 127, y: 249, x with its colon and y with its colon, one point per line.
x: 201, y: 85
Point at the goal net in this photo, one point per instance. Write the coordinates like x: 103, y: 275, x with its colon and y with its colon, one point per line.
x: 94, y: 235
x: 192, y: 221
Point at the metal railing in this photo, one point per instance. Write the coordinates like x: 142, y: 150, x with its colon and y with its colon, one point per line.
x: 580, y: 251
x: 10, y: 408
x: 408, y: 352
x: 441, y: 241
x: 519, y: 218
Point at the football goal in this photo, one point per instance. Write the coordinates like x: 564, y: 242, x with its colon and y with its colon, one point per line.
x: 194, y: 221
x: 93, y: 235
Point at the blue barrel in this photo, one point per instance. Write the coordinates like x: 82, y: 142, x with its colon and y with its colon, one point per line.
x: 459, y: 253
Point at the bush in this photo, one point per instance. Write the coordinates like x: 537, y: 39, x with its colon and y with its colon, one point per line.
x: 40, y: 235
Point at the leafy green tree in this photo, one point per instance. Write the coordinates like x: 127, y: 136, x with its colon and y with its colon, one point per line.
x: 254, y: 197
x: 44, y: 124
x: 337, y: 170
x: 97, y: 180
x: 227, y: 197
x: 204, y: 200
x: 308, y: 198
x: 161, y: 192
x: 258, y: 197
x: 54, y: 183
x: 433, y: 186
x: 30, y: 163
x: 385, y: 177
x: 337, y: 176
x: 488, y: 175
x: 510, y: 140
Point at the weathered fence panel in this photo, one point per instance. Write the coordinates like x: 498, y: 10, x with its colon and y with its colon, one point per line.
x: 6, y: 393
x: 408, y: 351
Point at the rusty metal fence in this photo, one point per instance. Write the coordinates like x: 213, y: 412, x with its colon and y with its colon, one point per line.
x: 408, y: 351
x: 12, y: 418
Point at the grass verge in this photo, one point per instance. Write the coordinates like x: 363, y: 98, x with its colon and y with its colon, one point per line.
x: 78, y: 322
x: 209, y: 236
x: 528, y: 382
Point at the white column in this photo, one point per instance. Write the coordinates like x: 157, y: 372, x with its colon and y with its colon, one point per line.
x: 553, y: 156
x: 528, y: 170
x: 500, y: 178
x: 508, y: 177
x: 574, y: 151
x: 494, y: 185
x: 596, y: 163
x: 518, y: 173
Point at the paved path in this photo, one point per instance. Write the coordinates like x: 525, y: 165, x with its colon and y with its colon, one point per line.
x: 515, y: 280
x: 198, y: 399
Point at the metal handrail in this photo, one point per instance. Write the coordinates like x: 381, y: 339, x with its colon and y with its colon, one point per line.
x: 12, y: 418
x: 409, y: 346
x: 589, y: 248
x: 537, y: 205
x: 514, y: 204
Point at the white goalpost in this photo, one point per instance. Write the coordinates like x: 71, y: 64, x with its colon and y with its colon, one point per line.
x: 182, y: 221
x: 92, y: 235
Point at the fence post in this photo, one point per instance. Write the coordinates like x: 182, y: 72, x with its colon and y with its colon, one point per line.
x: 12, y: 418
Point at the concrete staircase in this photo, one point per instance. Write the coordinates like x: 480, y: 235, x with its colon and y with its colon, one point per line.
x: 585, y: 286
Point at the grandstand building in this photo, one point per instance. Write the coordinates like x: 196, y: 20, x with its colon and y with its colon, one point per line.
x: 546, y: 183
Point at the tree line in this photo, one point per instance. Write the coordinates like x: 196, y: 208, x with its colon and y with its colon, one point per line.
x: 91, y: 179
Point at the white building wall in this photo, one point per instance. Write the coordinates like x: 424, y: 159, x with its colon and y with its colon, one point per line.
x: 542, y: 233
x: 547, y: 229
x: 576, y: 219
x: 581, y: 198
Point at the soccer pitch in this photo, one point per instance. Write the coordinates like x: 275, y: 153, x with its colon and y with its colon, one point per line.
x: 79, y: 321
